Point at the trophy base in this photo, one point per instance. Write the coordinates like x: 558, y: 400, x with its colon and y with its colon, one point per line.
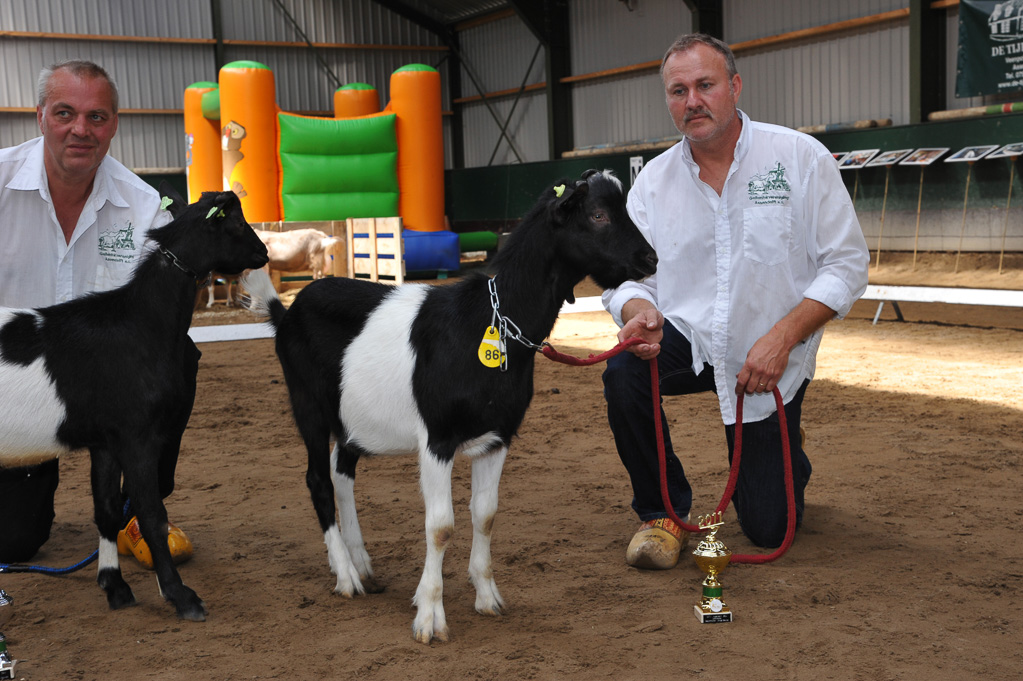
x: 708, y: 617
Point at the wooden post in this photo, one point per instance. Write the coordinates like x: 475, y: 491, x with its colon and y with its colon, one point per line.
x: 1005, y: 230
x: 884, y: 204
x: 919, y: 201
x: 962, y: 231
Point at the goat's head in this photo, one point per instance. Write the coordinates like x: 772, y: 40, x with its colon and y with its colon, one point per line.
x: 595, y: 233
x: 212, y: 234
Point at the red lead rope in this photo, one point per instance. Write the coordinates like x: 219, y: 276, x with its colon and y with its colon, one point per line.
x: 655, y: 388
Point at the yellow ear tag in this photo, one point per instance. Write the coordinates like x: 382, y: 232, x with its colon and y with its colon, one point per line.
x: 491, y: 350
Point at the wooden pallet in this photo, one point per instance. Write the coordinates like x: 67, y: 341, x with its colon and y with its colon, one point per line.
x: 376, y: 249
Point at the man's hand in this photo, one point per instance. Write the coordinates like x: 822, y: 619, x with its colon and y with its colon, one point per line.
x: 765, y: 364
x: 767, y: 359
x: 642, y: 320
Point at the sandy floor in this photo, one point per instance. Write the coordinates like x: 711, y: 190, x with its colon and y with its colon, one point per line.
x: 908, y: 566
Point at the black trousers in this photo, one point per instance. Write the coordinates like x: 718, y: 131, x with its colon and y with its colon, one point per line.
x: 759, y: 497
x: 26, y: 494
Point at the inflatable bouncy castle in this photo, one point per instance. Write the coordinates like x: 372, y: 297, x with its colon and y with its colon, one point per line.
x: 363, y: 162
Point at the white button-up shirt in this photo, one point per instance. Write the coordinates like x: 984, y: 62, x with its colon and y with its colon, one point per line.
x: 37, y: 267
x: 731, y: 266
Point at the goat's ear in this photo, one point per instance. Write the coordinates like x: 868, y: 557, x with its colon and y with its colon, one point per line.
x: 590, y: 173
x: 225, y: 201
x: 172, y: 200
x: 567, y: 199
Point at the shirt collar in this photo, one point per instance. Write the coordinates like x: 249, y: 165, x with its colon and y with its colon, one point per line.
x: 32, y: 177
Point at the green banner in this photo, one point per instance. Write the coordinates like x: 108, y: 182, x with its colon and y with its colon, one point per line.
x: 990, y: 58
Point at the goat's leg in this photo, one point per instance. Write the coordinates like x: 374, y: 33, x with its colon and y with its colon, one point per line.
x: 435, y: 482
x: 179, y: 419
x: 140, y: 480
x: 342, y: 469
x: 486, y: 476
x: 106, y: 502
x: 318, y: 480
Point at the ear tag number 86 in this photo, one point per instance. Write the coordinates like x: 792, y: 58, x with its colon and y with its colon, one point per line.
x: 491, y: 351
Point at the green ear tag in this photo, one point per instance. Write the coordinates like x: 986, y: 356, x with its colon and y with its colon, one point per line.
x: 212, y: 211
x: 165, y: 202
x: 491, y: 351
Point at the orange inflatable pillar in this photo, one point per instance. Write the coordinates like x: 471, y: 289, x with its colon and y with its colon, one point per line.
x: 248, y: 137
x: 202, y: 144
x: 355, y: 99
x: 415, y: 99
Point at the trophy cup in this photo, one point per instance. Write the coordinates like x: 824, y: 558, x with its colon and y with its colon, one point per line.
x: 6, y: 611
x: 711, y: 557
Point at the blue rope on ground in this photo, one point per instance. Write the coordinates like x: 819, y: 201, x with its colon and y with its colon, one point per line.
x: 56, y: 572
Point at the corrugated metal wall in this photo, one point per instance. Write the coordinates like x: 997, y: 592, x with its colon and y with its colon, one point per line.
x: 843, y: 77
x: 606, y: 35
x: 835, y: 78
x: 144, y: 72
x: 178, y: 19
x: 838, y: 78
x: 750, y: 19
x: 302, y: 82
x: 496, y: 56
x: 154, y: 75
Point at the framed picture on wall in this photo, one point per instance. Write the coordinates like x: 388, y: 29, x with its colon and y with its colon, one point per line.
x: 923, y: 157
x: 971, y: 153
x: 857, y: 159
x: 1008, y: 151
x: 888, y: 158
x: 838, y: 155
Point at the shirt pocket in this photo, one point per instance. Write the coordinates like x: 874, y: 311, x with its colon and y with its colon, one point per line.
x: 767, y: 234
x: 111, y: 275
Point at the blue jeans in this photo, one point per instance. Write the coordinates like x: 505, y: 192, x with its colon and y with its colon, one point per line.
x: 759, y: 499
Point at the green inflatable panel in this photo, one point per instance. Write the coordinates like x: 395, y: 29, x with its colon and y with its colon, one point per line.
x: 332, y: 169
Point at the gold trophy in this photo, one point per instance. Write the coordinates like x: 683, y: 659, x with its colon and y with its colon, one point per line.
x: 711, y: 557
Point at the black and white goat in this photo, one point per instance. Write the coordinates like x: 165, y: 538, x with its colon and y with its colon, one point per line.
x: 413, y: 379
x: 104, y: 373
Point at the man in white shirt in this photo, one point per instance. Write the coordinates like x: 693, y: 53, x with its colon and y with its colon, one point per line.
x: 758, y: 248
x: 72, y: 221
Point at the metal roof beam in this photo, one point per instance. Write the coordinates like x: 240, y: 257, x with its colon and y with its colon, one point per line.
x: 708, y: 17
x: 548, y: 20
x: 418, y: 18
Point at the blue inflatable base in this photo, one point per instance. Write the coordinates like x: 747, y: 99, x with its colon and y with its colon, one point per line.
x: 428, y: 251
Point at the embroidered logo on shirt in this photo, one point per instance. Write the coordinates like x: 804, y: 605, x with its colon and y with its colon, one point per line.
x: 118, y: 245
x: 770, y: 187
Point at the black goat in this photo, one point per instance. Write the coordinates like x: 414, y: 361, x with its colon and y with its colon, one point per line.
x: 417, y: 374
x: 104, y: 372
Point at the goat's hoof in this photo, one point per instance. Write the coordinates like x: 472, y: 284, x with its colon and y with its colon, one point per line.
x: 118, y: 598
x: 189, y: 605
x: 346, y: 591
x: 427, y: 635
x: 119, y: 594
x: 493, y: 609
x: 196, y: 612
x: 488, y: 598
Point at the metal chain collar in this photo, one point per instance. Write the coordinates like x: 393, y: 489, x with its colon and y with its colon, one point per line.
x: 183, y: 267
x: 502, y: 324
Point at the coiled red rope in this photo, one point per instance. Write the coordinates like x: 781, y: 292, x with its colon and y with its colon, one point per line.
x: 790, y: 528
